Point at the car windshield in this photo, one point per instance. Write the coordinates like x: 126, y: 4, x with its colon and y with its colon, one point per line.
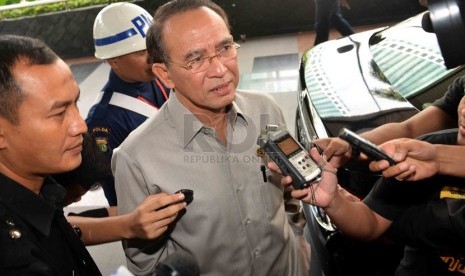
x: 409, y: 57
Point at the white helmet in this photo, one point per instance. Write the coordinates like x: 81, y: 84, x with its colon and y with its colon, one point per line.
x: 119, y: 29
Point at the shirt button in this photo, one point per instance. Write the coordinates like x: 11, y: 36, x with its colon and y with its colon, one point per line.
x: 256, y: 252
x: 239, y: 188
x: 247, y: 221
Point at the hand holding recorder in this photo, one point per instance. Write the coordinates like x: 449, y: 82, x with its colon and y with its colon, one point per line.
x: 291, y: 157
x: 416, y: 159
x: 365, y: 146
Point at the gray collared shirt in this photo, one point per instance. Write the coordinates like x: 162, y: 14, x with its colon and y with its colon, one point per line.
x: 237, y: 223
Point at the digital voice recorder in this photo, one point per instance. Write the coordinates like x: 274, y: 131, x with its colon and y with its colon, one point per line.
x: 289, y: 155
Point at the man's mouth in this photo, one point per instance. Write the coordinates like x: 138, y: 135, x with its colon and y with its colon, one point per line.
x: 76, y: 148
x: 221, y: 89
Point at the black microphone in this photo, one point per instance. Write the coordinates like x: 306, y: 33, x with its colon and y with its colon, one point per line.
x: 177, y: 264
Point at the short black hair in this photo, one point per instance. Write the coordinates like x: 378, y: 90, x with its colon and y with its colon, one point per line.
x: 154, y: 41
x: 15, y: 49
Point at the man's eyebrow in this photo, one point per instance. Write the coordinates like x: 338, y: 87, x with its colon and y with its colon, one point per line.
x: 199, y: 52
x: 226, y: 41
x: 194, y: 53
x: 61, y: 104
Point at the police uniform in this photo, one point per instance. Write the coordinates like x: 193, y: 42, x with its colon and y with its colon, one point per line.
x: 428, y: 216
x: 35, y: 238
x: 121, y: 107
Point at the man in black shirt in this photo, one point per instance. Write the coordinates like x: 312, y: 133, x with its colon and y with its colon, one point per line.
x: 427, y: 216
x: 41, y: 133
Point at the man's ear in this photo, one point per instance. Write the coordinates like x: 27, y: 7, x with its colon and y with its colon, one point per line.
x: 113, y: 62
x: 159, y: 70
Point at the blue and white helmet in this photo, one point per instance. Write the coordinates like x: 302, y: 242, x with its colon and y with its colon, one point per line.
x: 120, y: 29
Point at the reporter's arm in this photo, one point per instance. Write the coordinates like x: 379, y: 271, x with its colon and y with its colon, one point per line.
x: 413, y: 127
x: 450, y: 159
x: 338, y: 152
x: 147, y: 221
x: 101, y: 230
x: 354, y: 218
x: 420, y: 160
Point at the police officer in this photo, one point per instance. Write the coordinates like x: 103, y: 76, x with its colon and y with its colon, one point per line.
x: 132, y: 93
x: 41, y: 134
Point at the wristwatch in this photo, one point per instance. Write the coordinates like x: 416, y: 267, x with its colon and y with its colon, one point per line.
x: 78, y: 231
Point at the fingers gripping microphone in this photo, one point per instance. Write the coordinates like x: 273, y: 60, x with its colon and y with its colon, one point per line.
x: 177, y: 264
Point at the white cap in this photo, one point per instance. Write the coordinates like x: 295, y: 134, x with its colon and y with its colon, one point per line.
x: 120, y: 29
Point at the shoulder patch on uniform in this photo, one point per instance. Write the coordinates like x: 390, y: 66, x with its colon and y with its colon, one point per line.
x: 102, y: 143
x: 452, y: 192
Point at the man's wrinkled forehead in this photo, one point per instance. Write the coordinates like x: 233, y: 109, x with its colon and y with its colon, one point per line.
x: 195, y: 29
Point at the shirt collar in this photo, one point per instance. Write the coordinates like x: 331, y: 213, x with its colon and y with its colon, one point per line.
x: 190, y: 125
x: 38, y: 211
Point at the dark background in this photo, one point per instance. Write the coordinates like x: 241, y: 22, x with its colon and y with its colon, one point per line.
x: 70, y: 33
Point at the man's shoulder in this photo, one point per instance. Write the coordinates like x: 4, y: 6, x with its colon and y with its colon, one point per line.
x: 255, y: 99
x: 155, y: 128
x: 457, y: 86
x: 250, y: 94
x: 101, y: 110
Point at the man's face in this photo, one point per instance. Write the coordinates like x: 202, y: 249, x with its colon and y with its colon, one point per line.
x: 196, y: 34
x: 461, y: 119
x: 133, y: 67
x: 48, y: 137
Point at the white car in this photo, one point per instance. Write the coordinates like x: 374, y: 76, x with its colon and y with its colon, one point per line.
x: 360, y: 82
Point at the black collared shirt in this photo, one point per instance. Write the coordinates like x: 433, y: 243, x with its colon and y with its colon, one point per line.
x: 35, y: 238
x: 428, y: 216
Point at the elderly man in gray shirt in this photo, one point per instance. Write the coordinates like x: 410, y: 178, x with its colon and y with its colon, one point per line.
x: 238, y: 223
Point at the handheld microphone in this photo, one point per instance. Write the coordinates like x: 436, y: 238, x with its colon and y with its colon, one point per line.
x: 177, y: 264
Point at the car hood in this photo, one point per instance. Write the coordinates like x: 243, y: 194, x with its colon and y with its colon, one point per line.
x: 342, y: 79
